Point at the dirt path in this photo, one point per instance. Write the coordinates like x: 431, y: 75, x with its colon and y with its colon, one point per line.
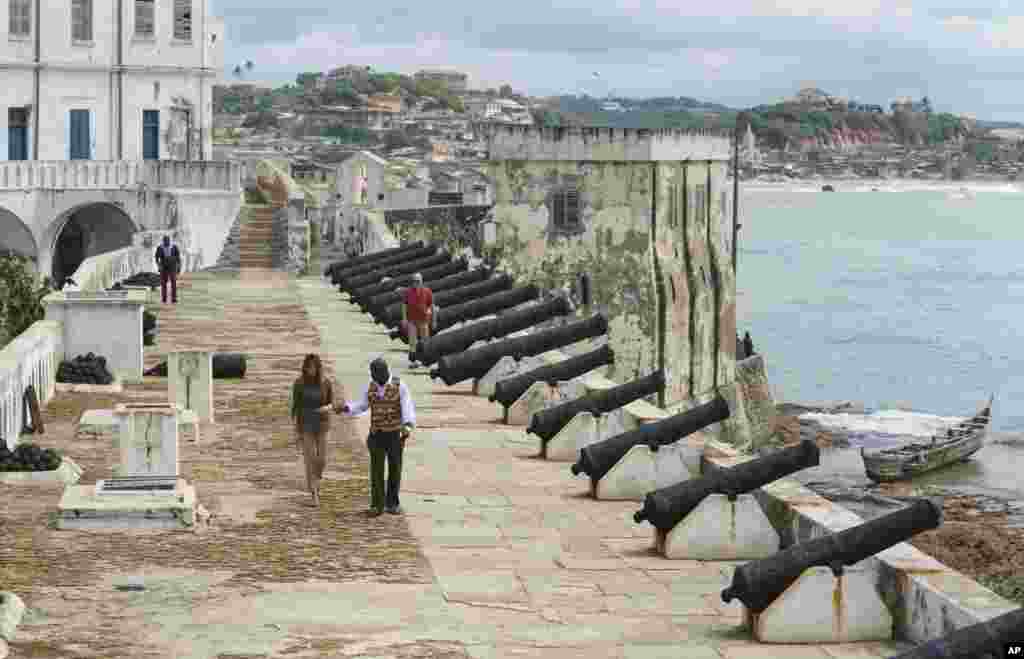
x: 247, y: 473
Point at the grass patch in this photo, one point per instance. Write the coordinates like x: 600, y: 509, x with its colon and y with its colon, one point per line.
x: 1011, y: 587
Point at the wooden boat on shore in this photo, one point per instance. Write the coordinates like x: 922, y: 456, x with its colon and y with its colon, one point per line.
x: 956, y: 444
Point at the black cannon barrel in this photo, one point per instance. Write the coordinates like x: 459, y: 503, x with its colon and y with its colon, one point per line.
x: 668, y: 506
x: 595, y: 460
x: 453, y: 302
x: 475, y: 363
x: 342, y: 275
x: 509, y: 390
x: 437, y: 285
x: 397, y: 270
x: 983, y: 640
x: 453, y: 341
x: 546, y: 423
x: 494, y: 303
x: 393, y: 283
x: 758, y: 583
x: 348, y: 264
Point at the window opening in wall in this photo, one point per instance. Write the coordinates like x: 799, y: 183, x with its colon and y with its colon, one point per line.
x: 565, y: 208
x: 20, y: 18
x: 81, y: 20
x: 183, y: 20
x: 17, y: 134
x: 80, y: 137
x: 145, y: 18
x: 150, y: 134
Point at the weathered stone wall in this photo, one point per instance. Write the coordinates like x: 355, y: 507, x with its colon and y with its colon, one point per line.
x: 611, y: 244
x: 692, y: 262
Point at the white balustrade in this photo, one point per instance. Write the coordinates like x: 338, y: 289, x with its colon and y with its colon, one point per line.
x: 115, y: 174
x: 30, y: 359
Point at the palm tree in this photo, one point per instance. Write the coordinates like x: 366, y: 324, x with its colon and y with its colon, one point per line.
x: 248, y: 65
x: 238, y: 71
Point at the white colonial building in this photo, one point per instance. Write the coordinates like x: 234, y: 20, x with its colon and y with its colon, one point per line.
x: 85, y: 82
x: 109, y: 102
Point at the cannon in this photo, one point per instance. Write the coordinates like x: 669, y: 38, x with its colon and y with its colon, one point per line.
x: 758, y: 583
x: 667, y: 507
x: 437, y: 284
x: 546, y: 423
x: 349, y: 264
x: 342, y: 275
x: 596, y: 459
x: 984, y: 640
x: 487, y: 305
x: 509, y: 390
x: 457, y: 299
x: 474, y: 364
x: 370, y: 290
x: 397, y: 270
x: 453, y: 341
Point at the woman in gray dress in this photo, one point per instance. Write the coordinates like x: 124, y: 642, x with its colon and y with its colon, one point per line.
x: 312, y: 400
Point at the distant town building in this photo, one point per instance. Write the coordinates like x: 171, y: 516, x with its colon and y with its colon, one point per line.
x: 348, y: 72
x: 455, y: 81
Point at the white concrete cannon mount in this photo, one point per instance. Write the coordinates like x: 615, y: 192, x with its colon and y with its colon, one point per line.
x: 583, y: 430
x: 823, y: 608
x: 721, y: 530
x: 505, y: 368
x: 540, y: 396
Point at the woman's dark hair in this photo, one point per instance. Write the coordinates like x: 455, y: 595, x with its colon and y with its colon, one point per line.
x: 318, y: 368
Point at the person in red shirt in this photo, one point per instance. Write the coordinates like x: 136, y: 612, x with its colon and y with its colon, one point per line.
x: 417, y: 313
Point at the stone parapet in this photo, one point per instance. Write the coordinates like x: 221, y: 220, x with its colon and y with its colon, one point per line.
x: 605, y: 144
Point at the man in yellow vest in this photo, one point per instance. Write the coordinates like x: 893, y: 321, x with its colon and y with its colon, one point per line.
x: 392, y: 420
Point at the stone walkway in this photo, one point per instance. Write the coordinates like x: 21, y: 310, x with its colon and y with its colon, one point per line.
x: 499, y: 554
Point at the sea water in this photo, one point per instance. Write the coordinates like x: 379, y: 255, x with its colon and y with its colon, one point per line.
x: 908, y: 300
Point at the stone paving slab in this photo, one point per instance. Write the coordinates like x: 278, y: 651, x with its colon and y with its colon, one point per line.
x: 507, y: 530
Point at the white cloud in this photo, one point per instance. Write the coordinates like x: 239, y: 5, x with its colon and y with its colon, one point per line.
x: 960, y: 24
x: 1007, y: 35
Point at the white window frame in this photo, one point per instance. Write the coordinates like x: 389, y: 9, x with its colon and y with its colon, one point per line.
x: 19, y: 22
x: 183, y: 36
x: 137, y: 33
x: 85, y: 7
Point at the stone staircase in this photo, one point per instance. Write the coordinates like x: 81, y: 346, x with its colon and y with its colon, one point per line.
x: 255, y: 240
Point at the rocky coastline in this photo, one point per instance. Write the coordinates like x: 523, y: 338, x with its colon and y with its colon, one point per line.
x: 980, y: 536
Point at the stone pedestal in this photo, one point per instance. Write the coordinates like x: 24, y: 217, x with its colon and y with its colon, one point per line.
x: 106, y: 323
x: 147, y: 440
x: 190, y: 382
x: 147, y: 492
x: 822, y: 608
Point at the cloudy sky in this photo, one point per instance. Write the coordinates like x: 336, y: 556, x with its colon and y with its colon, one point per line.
x: 967, y: 59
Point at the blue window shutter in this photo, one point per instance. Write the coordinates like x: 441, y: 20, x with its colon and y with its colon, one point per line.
x: 67, y: 136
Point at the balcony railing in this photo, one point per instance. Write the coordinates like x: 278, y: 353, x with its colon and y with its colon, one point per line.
x: 119, y: 174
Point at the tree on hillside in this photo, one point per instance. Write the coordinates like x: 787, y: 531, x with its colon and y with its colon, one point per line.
x: 505, y: 91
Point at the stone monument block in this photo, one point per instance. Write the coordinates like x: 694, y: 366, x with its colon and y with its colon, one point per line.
x: 190, y: 382
x: 147, y: 440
